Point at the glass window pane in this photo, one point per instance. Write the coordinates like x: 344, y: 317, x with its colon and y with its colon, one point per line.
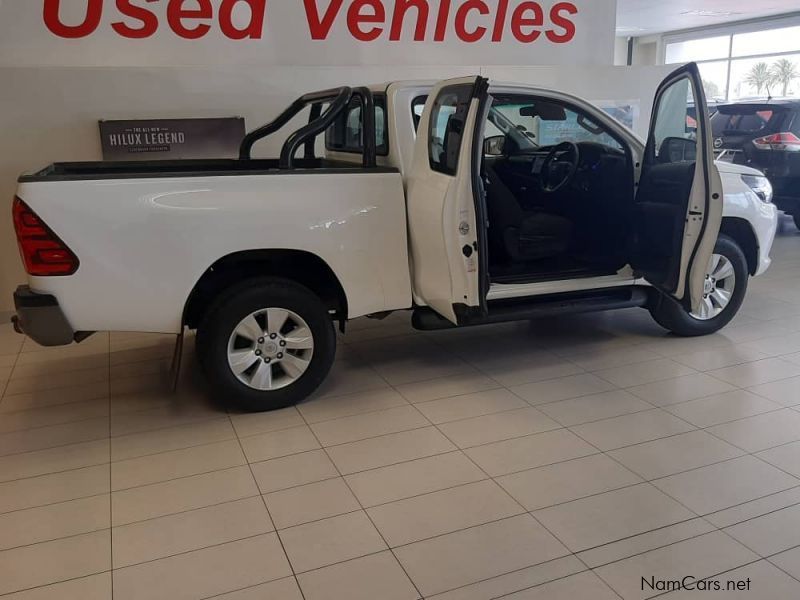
x: 702, y: 49
x: 715, y: 80
x: 785, y: 39
x: 759, y: 77
x: 675, y: 129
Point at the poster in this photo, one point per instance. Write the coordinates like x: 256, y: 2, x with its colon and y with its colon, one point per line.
x: 171, y: 139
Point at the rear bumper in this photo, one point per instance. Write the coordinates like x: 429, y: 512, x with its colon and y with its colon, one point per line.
x: 40, y: 317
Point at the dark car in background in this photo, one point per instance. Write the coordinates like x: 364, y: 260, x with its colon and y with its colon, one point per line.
x: 764, y: 134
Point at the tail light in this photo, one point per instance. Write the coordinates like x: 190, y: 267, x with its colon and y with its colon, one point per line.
x: 778, y: 141
x: 43, y: 253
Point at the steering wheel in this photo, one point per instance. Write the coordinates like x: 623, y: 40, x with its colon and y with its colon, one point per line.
x: 560, y: 167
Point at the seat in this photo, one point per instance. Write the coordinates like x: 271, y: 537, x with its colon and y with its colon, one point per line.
x: 521, y: 235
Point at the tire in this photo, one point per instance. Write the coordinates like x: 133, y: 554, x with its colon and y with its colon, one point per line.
x: 298, y: 362
x: 673, y: 316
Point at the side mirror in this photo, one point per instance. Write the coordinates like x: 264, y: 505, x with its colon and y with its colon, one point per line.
x: 494, y: 146
x: 677, y: 149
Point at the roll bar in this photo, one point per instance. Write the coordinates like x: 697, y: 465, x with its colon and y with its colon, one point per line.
x: 339, y: 100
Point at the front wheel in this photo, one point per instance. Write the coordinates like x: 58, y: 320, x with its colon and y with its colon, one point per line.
x: 725, y: 287
x: 266, y: 344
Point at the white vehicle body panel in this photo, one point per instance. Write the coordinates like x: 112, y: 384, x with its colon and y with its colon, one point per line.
x: 145, y: 243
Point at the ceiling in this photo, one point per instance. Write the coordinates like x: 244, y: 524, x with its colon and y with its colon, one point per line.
x: 637, y: 18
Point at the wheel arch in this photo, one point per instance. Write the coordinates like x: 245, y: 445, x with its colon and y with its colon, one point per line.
x: 740, y: 231
x: 299, y: 266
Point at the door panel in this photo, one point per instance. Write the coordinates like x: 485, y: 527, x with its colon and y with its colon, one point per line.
x: 446, y: 212
x: 678, y: 209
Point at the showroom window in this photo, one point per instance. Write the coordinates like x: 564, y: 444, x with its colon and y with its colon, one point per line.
x: 749, y: 61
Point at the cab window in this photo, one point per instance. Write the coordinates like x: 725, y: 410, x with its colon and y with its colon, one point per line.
x: 347, y: 132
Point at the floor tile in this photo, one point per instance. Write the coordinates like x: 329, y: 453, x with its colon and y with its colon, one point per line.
x: 344, y: 379
x: 175, y: 464
x: 681, y: 389
x: 368, y: 425
x: 93, y: 587
x: 725, y: 484
x: 54, y: 460
x: 421, y: 476
x: 719, y: 358
x: 389, y: 449
x: 192, y: 530
x: 567, y: 481
x: 255, y: 423
x: 770, y: 533
x: 520, y: 580
x: 178, y: 495
x: 280, y: 589
x: 520, y: 454
x: 53, y: 415
x: 437, y: 513
x: 55, y: 521
x: 55, y: 380
x: 784, y: 391
x: 279, y: 443
x: 604, y: 518
x: 325, y: 409
x: 322, y: 543
x: 54, y: 561
x: 755, y: 508
x: 173, y: 438
x: 627, y: 430
x: 446, y: 387
x: 206, y: 572
x: 635, y: 545
x: 56, y: 487
x: 762, y: 431
x: 699, y: 557
x: 613, y: 358
x: 594, y: 407
x: 565, y: 388
x: 766, y: 582
x: 65, y: 395
x: 476, y: 431
x: 464, y: 557
x: 675, y: 454
x: 162, y: 418
x: 310, y: 502
x: 788, y: 561
x: 53, y: 436
x: 786, y: 457
x: 722, y: 408
x: 646, y: 372
x: 290, y: 471
x: 758, y: 372
x: 470, y: 405
x: 367, y: 578
x: 513, y: 372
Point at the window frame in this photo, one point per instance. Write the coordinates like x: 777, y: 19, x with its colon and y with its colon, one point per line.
x: 381, y: 101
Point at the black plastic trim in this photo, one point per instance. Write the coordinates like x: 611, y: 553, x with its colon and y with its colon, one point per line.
x: 40, y: 317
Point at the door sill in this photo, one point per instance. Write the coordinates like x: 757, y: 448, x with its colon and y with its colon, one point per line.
x: 508, y: 291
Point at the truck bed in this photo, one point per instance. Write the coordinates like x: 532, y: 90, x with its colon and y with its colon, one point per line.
x: 88, y: 171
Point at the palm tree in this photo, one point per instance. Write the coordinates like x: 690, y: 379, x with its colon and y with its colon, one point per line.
x: 759, y: 77
x: 784, y: 71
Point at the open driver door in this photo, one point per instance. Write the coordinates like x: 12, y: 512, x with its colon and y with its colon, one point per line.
x: 678, y: 209
x: 446, y: 202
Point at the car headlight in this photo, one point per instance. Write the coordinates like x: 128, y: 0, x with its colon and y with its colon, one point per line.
x: 760, y: 185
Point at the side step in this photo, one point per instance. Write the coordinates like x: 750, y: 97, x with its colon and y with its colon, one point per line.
x: 425, y: 319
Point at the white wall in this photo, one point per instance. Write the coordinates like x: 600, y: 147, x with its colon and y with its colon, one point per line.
x: 51, y: 114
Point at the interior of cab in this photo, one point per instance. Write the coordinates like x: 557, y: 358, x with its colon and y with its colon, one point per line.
x: 559, y: 193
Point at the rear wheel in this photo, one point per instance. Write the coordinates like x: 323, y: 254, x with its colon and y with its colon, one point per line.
x: 725, y: 287
x: 266, y: 344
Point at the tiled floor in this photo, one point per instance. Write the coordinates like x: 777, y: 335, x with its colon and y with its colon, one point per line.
x: 564, y: 459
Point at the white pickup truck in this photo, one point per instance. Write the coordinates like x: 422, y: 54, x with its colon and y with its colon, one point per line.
x: 466, y: 202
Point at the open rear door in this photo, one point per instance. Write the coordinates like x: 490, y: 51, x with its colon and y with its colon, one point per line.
x: 446, y: 204
x: 679, y: 201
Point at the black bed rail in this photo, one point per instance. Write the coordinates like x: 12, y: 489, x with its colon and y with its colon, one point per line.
x: 339, y: 100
